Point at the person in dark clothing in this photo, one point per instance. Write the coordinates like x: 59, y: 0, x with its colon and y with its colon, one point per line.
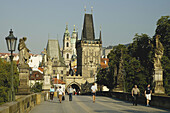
x: 148, y: 93
x: 70, y: 91
x: 135, y: 94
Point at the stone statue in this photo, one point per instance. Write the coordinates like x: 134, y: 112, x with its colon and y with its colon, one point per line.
x: 23, y: 52
x: 44, y: 57
x: 24, y: 72
x: 49, y: 66
x: 158, y: 53
x: 158, y: 75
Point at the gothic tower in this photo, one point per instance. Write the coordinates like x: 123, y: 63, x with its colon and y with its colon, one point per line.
x: 88, y: 50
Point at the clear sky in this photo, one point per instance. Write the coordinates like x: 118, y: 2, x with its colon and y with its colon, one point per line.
x: 120, y: 19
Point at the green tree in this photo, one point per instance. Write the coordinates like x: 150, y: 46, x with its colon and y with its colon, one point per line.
x: 134, y: 74
x: 101, y: 77
x: 5, y: 79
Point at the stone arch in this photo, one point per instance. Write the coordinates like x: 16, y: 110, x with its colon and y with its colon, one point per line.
x: 73, y: 83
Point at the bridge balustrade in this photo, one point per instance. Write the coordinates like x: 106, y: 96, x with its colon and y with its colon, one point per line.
x: 23, y: 103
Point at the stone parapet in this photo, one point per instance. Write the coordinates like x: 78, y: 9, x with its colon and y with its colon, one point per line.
x: 24, y: 103
x: 157, y: 101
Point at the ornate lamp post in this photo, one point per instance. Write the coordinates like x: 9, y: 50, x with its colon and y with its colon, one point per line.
x: 11, y: 45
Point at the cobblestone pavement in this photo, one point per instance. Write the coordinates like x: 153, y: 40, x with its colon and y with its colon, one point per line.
x: 84, y: 104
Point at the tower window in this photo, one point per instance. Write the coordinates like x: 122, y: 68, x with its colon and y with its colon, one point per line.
x: 61, y: 78
x: 67, y: 44
x: 61, y: 72
x: 67, y: 56
x: 53, y: 71
x: 67, y: 38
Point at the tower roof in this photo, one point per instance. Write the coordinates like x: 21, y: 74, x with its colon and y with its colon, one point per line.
x: 88, y: 28
x: 66, y: 30
x: 74, y: 33
x: 53, y: 50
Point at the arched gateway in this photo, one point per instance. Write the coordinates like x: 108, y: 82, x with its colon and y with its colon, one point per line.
x: 74, y: 85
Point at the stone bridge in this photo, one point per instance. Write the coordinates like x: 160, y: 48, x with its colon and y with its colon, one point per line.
x: 106, y: 102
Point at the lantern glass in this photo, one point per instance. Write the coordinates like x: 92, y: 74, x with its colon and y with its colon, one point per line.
x: 11, y: 41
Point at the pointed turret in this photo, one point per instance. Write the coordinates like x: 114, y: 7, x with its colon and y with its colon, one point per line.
x: 88, y: 28
x: 66, y: 31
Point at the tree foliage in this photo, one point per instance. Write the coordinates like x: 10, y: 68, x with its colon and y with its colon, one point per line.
x: 139, y: 59
x: 5, y: 79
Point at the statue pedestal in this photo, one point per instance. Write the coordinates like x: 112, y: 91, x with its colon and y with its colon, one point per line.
x: 158, y: 81
x: 46, y: 84
x: 159, y: 89
x: 24, y: 73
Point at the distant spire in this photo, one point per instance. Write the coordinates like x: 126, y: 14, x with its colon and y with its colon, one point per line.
x: 91, y: 9
x: 74, y: 28
x: 85, y: 9
x: 100, y: 36
x: 66, y: 26
x: 66, y: 31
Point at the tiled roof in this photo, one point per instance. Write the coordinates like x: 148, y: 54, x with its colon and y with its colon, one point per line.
x: 104, y: 62
x: 41, y: 69
x: 58, y: 81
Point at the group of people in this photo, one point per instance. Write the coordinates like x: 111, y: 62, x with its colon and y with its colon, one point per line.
x: 61, y: 93
x: 136, y: 93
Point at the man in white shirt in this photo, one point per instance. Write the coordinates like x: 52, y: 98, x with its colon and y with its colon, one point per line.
x: 60, y: 92
x: 93, y: 90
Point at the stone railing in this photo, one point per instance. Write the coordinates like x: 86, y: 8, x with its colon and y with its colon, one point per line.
x: 23, y: 104
x: 157, y: 101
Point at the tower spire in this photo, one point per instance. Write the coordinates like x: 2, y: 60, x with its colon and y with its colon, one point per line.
x: 66, y: 26
x: 100, y: 36
x: 74, y: 28
x: 66, y: 31
x: 91, y: 9
x: 85, y: 9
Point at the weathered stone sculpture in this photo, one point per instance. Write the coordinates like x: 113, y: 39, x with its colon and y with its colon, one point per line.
x: 24, y: 72
x: 23, y: 52
x: 119, y: 77
x: 47, y: 68
x: 158, y: 75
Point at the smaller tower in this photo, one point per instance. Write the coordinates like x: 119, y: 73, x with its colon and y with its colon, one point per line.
x: 73, y: 40
x: 67, y: 50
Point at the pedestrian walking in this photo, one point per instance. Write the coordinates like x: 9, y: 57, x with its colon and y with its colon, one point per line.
x: 70, y: 91
x: 51, y: 93
x: 135, y: 95
x: 148, y: 93
x: 93, y: 90
x: 63, y: 96
x: 60, y: 93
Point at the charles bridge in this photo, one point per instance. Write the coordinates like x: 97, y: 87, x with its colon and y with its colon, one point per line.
x: 106, y: 102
